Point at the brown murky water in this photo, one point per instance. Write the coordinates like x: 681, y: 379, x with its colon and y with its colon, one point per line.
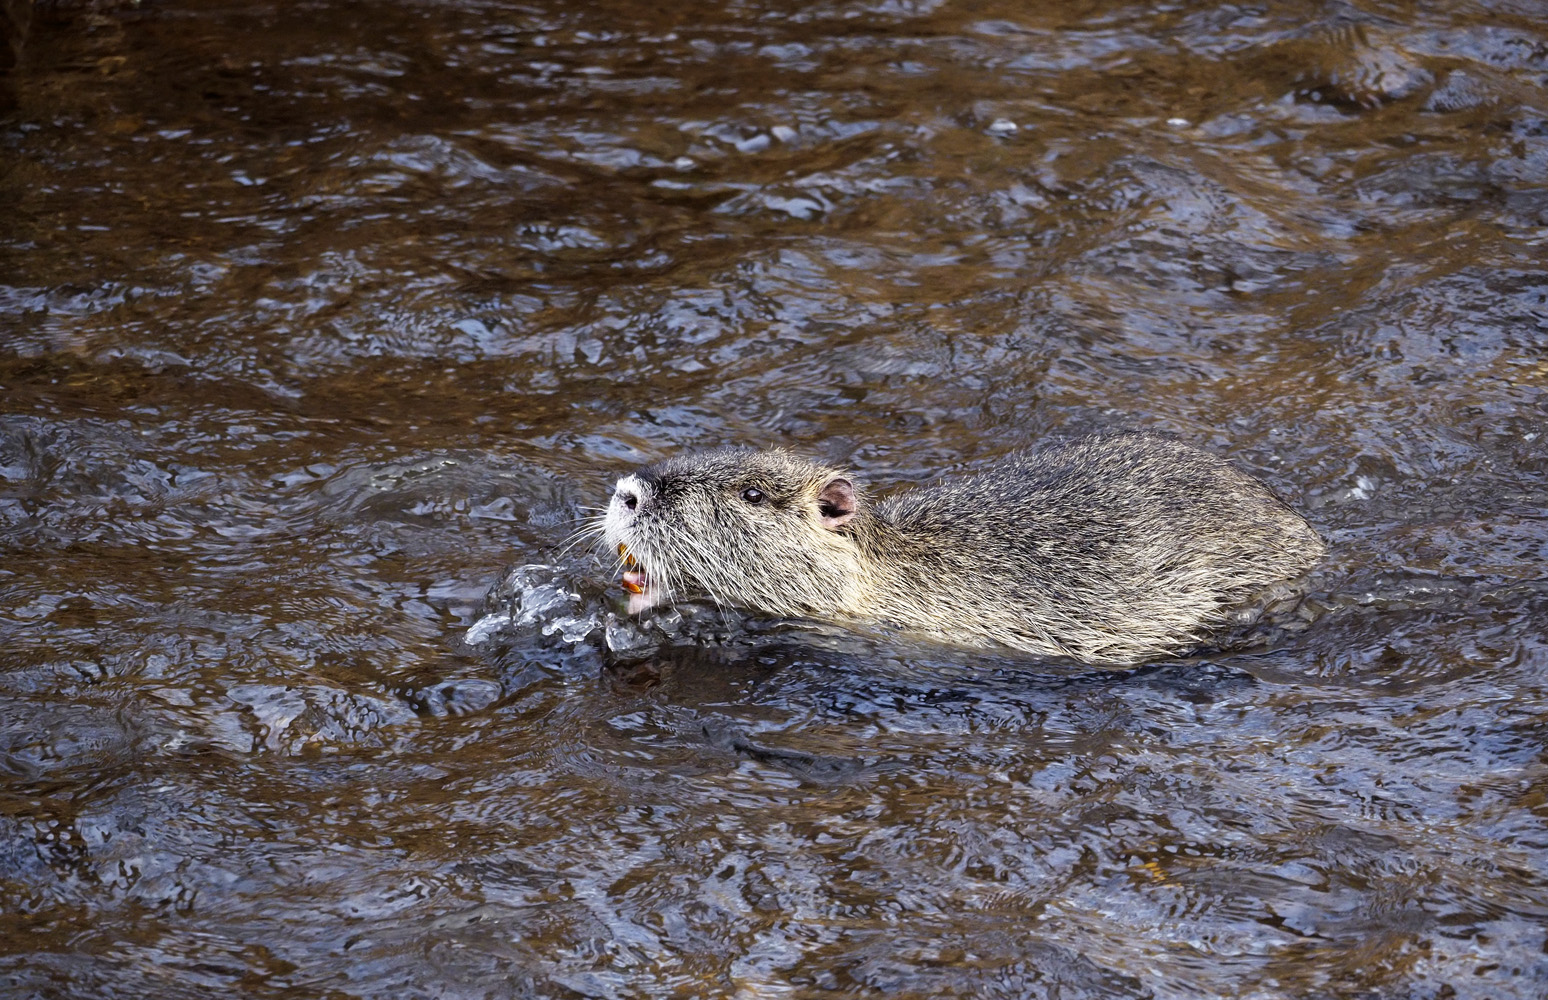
x: 316, y: 317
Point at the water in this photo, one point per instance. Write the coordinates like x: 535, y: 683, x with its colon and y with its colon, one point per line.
x: 317, y: 321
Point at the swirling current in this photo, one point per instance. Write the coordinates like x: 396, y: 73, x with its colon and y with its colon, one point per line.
x: 324, y: 325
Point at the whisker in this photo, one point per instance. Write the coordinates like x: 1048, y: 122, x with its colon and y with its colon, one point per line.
x: 704, y: 577
x: 592, y: 527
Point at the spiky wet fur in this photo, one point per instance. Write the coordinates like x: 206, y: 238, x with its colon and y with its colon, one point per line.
x: 1111, y: 548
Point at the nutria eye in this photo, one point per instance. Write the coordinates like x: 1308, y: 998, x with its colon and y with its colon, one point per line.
x: 752, y: 495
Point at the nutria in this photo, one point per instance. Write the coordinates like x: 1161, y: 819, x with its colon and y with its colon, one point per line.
x: 1112, y: 548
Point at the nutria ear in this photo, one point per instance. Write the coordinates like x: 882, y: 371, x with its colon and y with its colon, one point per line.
x: 836, y: 502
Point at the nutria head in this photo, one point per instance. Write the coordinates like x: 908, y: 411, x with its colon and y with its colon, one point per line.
x: 754, y: 529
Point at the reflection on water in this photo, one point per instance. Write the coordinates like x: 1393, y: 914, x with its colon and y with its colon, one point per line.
x: 314, y: 324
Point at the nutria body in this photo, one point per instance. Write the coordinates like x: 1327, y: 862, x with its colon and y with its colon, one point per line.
x: 1111, y: 548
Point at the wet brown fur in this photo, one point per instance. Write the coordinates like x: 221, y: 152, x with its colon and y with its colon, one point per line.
x: 1111, y: 548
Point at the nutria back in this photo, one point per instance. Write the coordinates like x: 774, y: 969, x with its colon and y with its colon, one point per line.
x: 1111, y: 548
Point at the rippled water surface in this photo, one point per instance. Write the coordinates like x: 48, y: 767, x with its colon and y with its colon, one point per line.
x: 316, y: 318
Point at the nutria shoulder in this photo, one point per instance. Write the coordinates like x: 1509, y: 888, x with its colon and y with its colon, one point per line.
x: 1110, y: 548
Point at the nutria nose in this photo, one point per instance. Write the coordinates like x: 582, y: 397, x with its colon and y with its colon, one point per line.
x: 630, y: 491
